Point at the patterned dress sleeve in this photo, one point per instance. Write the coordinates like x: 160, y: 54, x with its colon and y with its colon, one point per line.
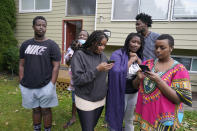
x: 181, y: 83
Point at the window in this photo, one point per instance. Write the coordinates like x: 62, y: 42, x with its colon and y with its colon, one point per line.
x: 35, y: 6
x: 80, y: 7
x: 160, y: 10
x: 157, y: 9
x: 185, y: 61
x: 189, y: 62
x: 184, y: 9
x: 194, y: 65
x: 123, y: 9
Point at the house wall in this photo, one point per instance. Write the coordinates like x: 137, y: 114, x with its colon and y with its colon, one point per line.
x: 54, y: 22
x: 184, y: 32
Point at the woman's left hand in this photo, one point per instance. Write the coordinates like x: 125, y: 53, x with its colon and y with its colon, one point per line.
x: 153, y: 76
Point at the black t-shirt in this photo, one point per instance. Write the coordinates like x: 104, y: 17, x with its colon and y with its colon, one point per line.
x: 129, y: 86
x: 38, y: 58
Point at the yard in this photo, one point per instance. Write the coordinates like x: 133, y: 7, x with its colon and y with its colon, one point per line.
x: 13, y: 117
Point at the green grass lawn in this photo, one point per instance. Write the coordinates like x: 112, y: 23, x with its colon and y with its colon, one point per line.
x: 13, y: 117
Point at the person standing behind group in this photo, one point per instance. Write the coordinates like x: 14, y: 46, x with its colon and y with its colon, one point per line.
x: 143, y: 23
x: 38, y: 70
x: 162, y: 90
x: 89, y: 70
x: 122, y: 96
x: 82, y: 37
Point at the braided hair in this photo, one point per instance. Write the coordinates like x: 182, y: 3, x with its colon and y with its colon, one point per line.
x: 94, y: 39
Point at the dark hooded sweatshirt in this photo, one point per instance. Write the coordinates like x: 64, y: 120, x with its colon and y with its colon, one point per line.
x: 89, y: 83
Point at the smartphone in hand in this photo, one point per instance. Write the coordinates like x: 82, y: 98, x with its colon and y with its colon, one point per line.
x: 144, y: 68
x: 110, y: 61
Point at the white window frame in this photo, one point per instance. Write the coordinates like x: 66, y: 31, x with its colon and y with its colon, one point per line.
x: 66, y: 11
x: 112, y: 12
x: 34, y: 10
x: 169, y: 18
x: 168, y: 13
x: 191, y: 57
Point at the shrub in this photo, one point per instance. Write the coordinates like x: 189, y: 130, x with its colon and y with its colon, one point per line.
x: 8, y: 42
x: 11, y: 56
x: 8, y: 12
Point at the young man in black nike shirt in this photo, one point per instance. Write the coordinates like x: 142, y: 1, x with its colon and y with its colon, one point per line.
x: 38, y: 70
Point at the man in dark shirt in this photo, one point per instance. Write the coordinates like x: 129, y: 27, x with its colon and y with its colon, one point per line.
x: 38, y: 70
x: 143, y: 23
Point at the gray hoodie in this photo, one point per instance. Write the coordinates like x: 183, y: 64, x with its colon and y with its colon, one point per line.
x: 89, y: 83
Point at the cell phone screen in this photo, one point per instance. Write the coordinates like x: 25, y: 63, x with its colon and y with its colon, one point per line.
x: 110, y: 61
x: 144, y: 68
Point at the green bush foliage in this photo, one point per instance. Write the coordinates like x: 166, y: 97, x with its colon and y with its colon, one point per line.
x: 11, y: 55
x: 8, y: 12
x: 8, y: 42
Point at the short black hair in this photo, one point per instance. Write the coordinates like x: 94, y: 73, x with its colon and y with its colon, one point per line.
x: 145, y: 18
x: 127, y: 41
x: 38, y: 17
x: 167, y: 37
x: 95, y: 37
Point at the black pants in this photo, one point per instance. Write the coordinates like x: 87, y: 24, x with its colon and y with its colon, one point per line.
x: 89, y: 119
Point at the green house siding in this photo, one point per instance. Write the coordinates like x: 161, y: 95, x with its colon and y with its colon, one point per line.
x: 54, y: 22
x: 185, y: 33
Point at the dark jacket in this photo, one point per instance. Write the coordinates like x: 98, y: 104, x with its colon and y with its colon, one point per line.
x: 89, y: 83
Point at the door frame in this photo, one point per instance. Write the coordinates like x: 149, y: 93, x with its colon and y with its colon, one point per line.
x: 64, y: 44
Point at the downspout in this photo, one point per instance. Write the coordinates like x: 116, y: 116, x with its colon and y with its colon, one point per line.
x: 95, y: 16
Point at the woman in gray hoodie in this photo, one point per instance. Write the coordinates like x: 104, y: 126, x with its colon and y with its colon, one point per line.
x: 89, y: 70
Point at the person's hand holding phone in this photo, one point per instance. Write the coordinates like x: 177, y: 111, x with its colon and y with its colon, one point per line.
x: 140, y: 74
x: 104, y: 66
x: 110, y: 61
x: 144, y: 68
x: 153, y: 76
